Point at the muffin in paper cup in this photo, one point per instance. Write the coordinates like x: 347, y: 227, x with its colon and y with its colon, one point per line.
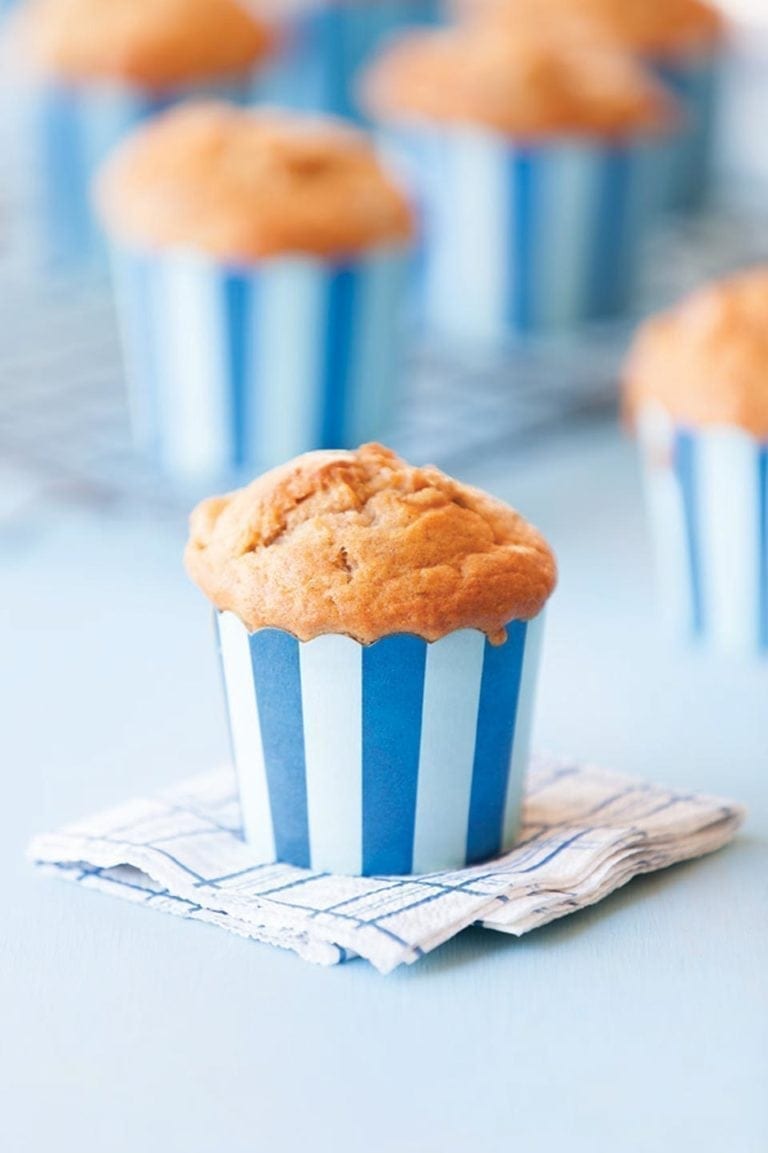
x: 361, y: 747
x: 82, y: 93
x: 697, y: 398
x: 535, y: 158
x: 682, y: 41
x: 327, y: 44
x: 254, y: 329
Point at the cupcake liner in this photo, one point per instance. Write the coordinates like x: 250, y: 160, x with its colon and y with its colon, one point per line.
x: 327, y: 46
x: 695, y: 82
x: 531, y: 239
x: 241, y: 368
x: 392, y: 758
x: 71, y: 130
x: 707, y: 492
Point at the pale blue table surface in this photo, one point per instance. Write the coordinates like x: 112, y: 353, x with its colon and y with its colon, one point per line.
x: 640, y: 1026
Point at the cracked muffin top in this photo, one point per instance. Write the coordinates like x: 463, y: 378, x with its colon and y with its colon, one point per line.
x: 154, y: 43
x: 522, y: 78
x: 243, y: 184
x: 364, y: 544
x: 706, y: 361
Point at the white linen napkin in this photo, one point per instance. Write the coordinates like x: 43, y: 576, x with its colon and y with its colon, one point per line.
x: 586, y: 831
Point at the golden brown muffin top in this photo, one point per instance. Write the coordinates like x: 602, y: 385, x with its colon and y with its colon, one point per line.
x: 706, y: 361
x: 362, y: 543
x: 517, y: 79
x: 245, y: 184
x: 155, y: 43
x: 656, y: 27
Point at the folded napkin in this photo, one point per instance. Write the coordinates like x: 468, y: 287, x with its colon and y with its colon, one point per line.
x: 586, y: 831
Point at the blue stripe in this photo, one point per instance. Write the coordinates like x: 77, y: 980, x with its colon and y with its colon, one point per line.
x: 523, y: 178
x: 238, y: 306
x: 763, y: 539
x: 65, y: 177
x: 277, y: 679
x: 685, y: 470
x: 339, y: 329
x: 610, y: 286
x: 393, y: 692
x: 496, y: 722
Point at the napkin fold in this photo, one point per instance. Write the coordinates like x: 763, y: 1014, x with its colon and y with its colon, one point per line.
x: 586, y: 831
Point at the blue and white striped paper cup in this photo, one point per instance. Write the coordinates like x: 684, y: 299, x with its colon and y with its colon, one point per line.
x: 526, y: 240
x: 695, y: 82
x: 328, y: 44
x: 707, y: 493
x: 71, y: 130
x: 232, y: 370
x: 392, y: 758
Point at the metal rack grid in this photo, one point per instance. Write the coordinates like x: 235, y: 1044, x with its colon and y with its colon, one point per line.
x: 63, y: 418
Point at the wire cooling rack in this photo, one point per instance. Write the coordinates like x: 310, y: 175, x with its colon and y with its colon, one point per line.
x: 64, y: 429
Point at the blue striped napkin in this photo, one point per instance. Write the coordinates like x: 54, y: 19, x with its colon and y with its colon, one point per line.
x: 586, y: 832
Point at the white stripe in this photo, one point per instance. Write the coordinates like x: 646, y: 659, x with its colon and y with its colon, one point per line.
x: 331, y: 696
x: 378, y: 349
x: 565, y: 199
x: 521, y: 748
x: 195, y: 392
x: 728, y: 525
x: 286, y: 357
x: 446, y: 756
x: 667, y: 515
x: 246, y: 737
x: 480, y: 194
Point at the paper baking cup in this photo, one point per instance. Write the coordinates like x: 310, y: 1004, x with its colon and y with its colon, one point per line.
x: 327, y: 46
x: 695, y: 82
x: 240, y: 369
x: 71, y: 131
x: 396, y: 757
x: 526, y: 240
x: 707, y: 493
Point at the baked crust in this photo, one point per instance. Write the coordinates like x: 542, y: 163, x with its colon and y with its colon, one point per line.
x: 705, y: 362
x: 153, y: 43
x: 530, y: 81
x: 364, y: 544
x: 243, y: 184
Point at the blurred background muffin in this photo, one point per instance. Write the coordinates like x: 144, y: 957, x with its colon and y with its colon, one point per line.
x: 696, y: 392
x: 259, y: 260
x: 379, y: 627
x: 95, y: 68
x: 683, y: 41
x: 535, y: 154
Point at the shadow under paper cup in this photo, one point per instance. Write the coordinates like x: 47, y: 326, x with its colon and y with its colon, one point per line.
x: 707, y: 494
x: 233, y: 370
x: 393, y: 758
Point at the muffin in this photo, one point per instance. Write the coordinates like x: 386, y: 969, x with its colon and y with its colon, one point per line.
x: 683, y: 41
x: 259, y: 258
x: 534, y: 153
x: 378, y: 627
x: 696, y: 394
x: 95, y: 68
x: 328, y: 42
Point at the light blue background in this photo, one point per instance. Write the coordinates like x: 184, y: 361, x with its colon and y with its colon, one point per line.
x: 638, y: 1026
